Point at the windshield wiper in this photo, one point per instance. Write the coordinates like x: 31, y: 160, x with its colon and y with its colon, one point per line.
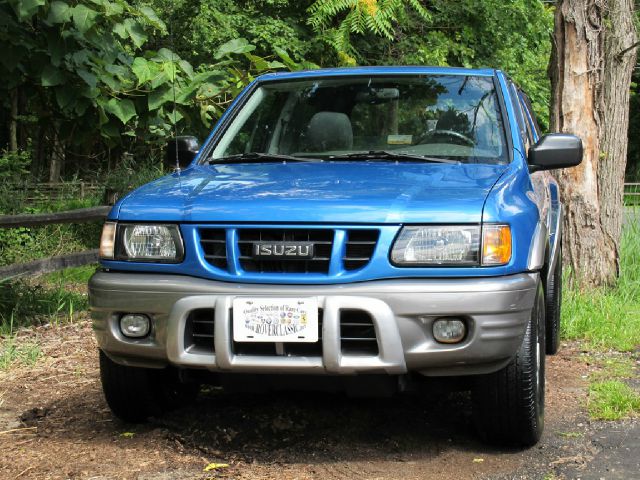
x: 258, y: 157
x: 390, y: 155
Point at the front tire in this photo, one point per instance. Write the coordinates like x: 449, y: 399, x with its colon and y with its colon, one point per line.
x: 134, y: 394
x: 508, y: 405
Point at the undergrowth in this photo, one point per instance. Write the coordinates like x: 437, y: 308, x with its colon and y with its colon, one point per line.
x: 53, y: 298
x: 608, y: 318
x: 612, y: 400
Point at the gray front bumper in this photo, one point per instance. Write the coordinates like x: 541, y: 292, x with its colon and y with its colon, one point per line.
x: 496, y: 309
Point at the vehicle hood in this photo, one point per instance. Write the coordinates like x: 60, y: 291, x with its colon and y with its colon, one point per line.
x: 329, y: 192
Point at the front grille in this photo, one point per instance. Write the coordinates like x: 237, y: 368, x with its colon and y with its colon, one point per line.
x: 199, y: 331
x: 359, y: 248
x: 357, y: 333
x: 214, y: 245
x: 319, y: 263
x: 288, y: 349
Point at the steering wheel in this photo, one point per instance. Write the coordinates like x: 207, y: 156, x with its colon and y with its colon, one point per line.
x: 450, y: 133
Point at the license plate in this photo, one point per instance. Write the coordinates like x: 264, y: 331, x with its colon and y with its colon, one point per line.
x: 275, y: 320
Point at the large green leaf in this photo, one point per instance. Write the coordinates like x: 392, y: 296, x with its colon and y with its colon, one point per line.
x: 59, y: 12
x: 186, y: 68
x: 136, y: 32
x: 159, y: 97
x: 65, y: 97
x: 235, y: 46
x: 120, y: 30
x: 51, y: 76
x: 25, y: 9
x: 83, y: 17
x: 123, y: 109
x: 209, y: 76
x: 88, y: 77
x: 151, y: 17
x: 112, y: 8
x: 141, y: 70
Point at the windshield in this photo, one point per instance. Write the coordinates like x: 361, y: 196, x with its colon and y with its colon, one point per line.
x: 451, y: 117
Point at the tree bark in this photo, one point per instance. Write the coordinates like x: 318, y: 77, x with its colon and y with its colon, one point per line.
x: 57, y: 159
x: 13, y: 122
x: 616, y: 81
x: 590, y: 98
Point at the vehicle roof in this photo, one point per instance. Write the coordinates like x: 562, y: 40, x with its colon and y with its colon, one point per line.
x: 392, y: 70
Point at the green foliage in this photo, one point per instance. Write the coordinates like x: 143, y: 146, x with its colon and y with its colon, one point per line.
x: 131, y: 174
x: 514, y: 36
x: 26, y: 303
x: 609, y: 318
x: 13, y: 165
x: 360, y: 17
x: 200, y: 26
x: 612, y: 400
x: 86, y: 72
x: 19, y: 245
x: 12, y: 351
x: 73, y: 275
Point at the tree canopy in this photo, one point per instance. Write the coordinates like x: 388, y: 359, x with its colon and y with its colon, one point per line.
x: 88, y: 80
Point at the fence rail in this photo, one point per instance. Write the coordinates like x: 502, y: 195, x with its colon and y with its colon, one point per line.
x: 51, y: 264
x: 79, y: 215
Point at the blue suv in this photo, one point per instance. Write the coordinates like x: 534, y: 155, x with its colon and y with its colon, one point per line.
x: 372, y: 228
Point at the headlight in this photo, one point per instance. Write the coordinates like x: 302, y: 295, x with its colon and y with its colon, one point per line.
x: 437, y: 245
x: 142, y: 242
x: 461, y: 245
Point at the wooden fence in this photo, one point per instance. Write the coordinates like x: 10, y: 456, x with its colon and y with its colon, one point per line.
x: 82, y: 215
x: 36, y: 193
x: 632, y: 193
x: 52, y: 264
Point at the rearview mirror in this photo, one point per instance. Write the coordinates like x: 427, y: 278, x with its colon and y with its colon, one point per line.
x: 555, y: 150
x: 181, y: 151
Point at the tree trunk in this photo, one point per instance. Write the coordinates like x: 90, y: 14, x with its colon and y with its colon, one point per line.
x: 618, y: 70
x: 57, y: 159
x: 13, y: 121
x: 590, y: 98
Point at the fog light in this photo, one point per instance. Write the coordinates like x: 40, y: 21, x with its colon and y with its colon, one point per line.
x: 449, y: 330
x: 135, y: 325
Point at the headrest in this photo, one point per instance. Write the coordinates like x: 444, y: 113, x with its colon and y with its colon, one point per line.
x: 329, y: 131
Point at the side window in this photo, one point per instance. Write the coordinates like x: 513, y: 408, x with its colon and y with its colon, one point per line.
x: 532, y: 117
x: 528, y: 122
x: 522, y: 124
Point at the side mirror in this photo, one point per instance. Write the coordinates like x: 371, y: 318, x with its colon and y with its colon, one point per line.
x: 555, y: 150
x: 181, y: 151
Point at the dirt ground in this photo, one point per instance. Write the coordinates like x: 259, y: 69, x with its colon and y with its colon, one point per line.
x: 55, y: 424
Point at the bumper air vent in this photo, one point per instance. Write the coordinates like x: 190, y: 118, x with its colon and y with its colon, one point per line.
x: 359, y: 248
x: 199, y: 331
x: 357, y: 333
x: 214, y: 245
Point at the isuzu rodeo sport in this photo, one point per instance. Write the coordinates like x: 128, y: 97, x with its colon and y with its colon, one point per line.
x: 344, y: 225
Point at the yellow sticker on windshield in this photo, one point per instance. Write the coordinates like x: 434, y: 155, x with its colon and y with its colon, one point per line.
x: 399, y: 139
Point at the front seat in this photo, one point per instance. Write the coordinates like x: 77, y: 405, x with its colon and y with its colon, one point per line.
x: 328, y: 131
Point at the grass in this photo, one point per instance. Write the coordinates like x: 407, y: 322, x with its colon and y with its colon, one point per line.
x: 51, y: 298
x: 77, y: 275
x: 609, y: 318
x: 614, y: 367
x: 12, y: 351
x: 612, y: 400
